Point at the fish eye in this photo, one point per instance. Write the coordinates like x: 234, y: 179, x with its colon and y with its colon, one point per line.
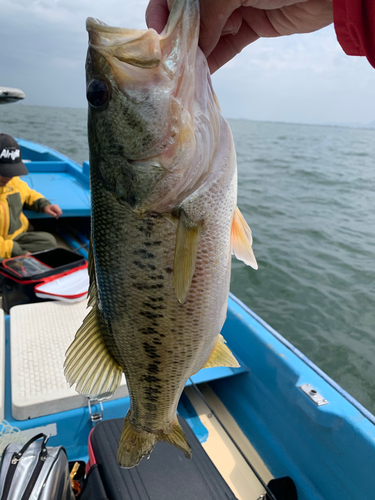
x: 97, y: 93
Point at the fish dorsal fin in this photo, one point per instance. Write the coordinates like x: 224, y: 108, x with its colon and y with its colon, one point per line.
x: 185, y: 256
x: 93, y: 290
x: 221, y: 356
x: 89, y: 364
x: 242, y: 240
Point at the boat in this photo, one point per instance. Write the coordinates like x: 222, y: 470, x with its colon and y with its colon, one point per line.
x: 10, y: 94
x: 277, y: 416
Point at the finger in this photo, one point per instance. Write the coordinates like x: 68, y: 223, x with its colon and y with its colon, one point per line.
x: 229, y: 46
x: 214, y: 16
x: 233, y: 24
x: 157, y: 13
x: 302, y: 17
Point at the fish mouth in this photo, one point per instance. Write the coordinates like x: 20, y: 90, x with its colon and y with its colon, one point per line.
x: 146, y: 48
x: 140, y: 48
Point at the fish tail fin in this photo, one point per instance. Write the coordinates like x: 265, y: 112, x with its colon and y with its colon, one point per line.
x: 177, y: 438
x: 134, y: 445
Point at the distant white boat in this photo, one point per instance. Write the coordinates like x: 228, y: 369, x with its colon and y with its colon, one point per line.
x: 8, y: 94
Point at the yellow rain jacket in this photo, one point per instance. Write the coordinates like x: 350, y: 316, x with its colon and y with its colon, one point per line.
x: 13, y: 221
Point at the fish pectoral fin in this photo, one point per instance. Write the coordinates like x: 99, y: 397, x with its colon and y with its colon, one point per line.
x: 242, y: 240
x: 136, y: 443
x: 89, y: 364
x: 93, y: 290
x: 221, y: 356
x: 185, y: 256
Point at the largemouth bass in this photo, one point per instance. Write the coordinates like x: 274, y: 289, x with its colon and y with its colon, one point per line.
x: 164, y: 224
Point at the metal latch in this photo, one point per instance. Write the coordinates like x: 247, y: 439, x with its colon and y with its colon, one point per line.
x: 96, y: 414
x: 314, y: 395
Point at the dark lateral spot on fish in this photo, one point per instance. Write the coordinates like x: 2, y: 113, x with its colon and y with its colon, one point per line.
x: 153, y: 368
x: 150, y: 395
x: 139, y: 264
x: 150, y: 315
x: 150, y: 243
x: 161, y: 335
x: 157, y: 342
x: 145, y: 286
x: 151, y: 379
x: 151, y: 266
x: 169, y: 270
x: 154, y: 308
x: 140, y: 251
x: 151, y: 407
x: 151, y: 352
x: 150, y: 255
x: 148, y: 331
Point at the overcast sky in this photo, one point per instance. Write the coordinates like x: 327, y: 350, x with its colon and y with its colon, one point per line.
x: 302, y: 78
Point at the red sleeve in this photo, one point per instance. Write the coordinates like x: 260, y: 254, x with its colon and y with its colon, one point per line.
x: 355, y: 27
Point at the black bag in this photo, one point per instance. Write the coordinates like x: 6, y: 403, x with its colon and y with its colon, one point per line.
x: 35, y: 471
x: 167, y: 475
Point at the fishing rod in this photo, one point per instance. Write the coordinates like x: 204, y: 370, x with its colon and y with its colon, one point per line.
x: 257, y: 475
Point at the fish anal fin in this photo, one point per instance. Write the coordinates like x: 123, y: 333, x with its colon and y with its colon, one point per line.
x: 187, y: 241
x: 89, y: 364
x: 221, y: 356
x: 242, y: 240
x: 137, y: 443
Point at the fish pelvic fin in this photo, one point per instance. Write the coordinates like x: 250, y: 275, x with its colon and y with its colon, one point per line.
x: 89, y: 364
x: 187, y: 242
x: 242, y: 240
x: 136, y: 443
x: 221, y: 356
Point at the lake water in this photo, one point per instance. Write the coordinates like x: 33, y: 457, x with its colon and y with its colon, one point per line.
x: 308, y: 194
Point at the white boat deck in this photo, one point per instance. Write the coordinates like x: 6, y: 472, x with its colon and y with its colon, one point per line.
x: 40, y: 335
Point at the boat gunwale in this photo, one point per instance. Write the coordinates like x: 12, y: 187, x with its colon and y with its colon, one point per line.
x: 356, y: 404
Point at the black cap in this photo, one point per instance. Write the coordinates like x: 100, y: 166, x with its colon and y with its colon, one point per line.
x: 11, y: 163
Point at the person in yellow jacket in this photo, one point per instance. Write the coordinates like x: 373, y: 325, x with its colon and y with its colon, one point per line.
x: 14, y: 195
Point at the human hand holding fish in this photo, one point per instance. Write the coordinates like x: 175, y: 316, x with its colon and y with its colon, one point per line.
x: 228, y: 26
x: 163, y: 178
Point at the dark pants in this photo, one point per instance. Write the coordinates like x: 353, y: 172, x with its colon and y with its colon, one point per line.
x: 33, y: 241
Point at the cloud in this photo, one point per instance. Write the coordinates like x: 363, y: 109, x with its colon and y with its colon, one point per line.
x: 303, y: 78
